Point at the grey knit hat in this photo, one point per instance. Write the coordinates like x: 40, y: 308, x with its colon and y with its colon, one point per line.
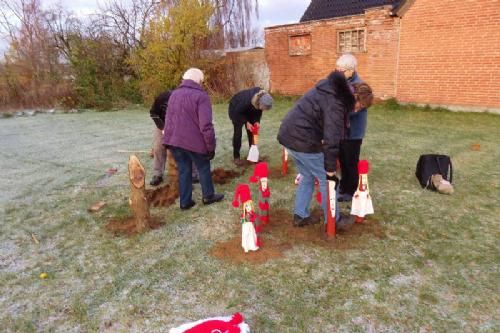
x: 266, y: 102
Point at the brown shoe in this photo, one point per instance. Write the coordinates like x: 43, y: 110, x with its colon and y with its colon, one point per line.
x: 442, y: 185
x: 239, y: 162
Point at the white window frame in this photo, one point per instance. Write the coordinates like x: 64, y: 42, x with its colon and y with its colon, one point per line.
x: 350, y: 48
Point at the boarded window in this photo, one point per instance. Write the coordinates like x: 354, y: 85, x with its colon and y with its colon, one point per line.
x: 351, y: 41
x: 299, y: 45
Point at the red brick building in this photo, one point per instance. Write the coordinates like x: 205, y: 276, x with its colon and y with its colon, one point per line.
x: 443, y: 52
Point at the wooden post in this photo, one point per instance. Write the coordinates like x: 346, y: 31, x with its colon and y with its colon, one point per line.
x: 138, y: 201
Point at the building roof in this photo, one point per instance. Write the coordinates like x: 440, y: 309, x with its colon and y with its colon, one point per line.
x: 325, y: 9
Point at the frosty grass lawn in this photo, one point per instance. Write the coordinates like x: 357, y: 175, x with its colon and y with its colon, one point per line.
x: 435, y: 268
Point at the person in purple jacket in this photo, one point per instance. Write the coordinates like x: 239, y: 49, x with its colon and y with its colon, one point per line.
x: 190, y: 135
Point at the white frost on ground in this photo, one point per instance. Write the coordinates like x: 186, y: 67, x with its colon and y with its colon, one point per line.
x: 404, y: 280
x: 10, y: 258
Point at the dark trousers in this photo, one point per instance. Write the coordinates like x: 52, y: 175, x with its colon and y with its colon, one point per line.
x: 237, y: 134
x: 349, y: 158
x: 185, y: 159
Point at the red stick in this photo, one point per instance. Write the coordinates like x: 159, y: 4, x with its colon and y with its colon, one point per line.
x: 284, y: 162
x: 330, y: 209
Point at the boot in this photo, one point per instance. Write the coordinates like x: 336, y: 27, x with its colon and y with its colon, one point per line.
x: 216, y: 197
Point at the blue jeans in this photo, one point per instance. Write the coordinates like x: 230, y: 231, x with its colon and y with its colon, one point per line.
x: 310, y: 166
x: 185, y: 159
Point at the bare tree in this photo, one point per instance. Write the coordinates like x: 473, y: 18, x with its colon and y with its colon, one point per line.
x: 234, y: 18
x: 127, y: 21
x: 31, y: 59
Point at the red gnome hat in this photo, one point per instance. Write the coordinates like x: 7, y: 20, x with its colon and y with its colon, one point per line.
x: 261, y: 171
x: 363, y: 167
x: 256, y: 128
x: 243, y: 192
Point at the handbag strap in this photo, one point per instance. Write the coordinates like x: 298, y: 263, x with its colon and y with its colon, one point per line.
x: 451, y: 173
x: 441, y: 171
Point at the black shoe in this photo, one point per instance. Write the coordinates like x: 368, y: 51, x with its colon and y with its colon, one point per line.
x: 195, y: 180
x: 303, y: 221
x: 189, y: 205
x: 343, y: 197
x: 216, y: 197
x: 156, y: 180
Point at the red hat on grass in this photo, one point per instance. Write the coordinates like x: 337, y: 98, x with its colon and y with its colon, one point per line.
x: 243, y: 193
x: 363, y: 167
x: 261, y: 171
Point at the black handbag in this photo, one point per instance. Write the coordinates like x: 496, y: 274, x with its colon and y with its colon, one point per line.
x: 431, y: 164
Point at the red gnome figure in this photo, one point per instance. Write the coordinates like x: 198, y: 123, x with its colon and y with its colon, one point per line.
x: 233, y: 324
x: 253, y: 153
x: 260, y: 173
x: 362, y: 201
x: 249, y: 240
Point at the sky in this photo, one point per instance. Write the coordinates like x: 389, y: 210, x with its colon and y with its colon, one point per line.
x: 271, y: 12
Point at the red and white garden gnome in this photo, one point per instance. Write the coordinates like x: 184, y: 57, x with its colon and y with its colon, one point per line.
x: 232, y: 324
x: 362, y: 201
x: 253, y: 153
x: 249, y: 240
x: 260, y: 174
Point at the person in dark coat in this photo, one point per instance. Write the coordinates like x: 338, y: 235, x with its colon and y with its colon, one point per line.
x: 189, y: 133
x: 311, y: 132
x: 245, y: 109
x: 157, y: 113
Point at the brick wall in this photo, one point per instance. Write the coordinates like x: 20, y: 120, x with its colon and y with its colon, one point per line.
x: 450, y: 53
x: 247, y: 69
x: 295, y: 74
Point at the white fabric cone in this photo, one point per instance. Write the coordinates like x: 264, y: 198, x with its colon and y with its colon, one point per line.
x: 253, y: 154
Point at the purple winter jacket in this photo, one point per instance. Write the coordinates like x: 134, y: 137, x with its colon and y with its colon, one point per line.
x: 188, y: 124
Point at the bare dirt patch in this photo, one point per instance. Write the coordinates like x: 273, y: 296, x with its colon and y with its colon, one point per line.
x: 162, y: 196
x: 280, y: 235
x: 127, y: 226
x: 275, y: 173
x: 222, y: 176
x: 231, y: 250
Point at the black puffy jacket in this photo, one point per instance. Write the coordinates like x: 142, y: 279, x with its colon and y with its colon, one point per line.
x: 317, y: 121
x: 159, y: 109
x: 241, y: 109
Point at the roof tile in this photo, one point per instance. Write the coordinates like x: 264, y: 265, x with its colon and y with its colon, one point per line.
x: 325, y: 9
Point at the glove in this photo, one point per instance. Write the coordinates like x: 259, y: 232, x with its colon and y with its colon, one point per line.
x: 334, y: 178
x: 210, y: 156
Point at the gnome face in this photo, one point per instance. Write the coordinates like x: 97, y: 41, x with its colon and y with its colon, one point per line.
x: 263, y: 183
x: 247, y: 206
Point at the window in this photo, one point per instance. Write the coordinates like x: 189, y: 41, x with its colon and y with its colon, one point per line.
x: 299, y: 45
x: 351, y: 41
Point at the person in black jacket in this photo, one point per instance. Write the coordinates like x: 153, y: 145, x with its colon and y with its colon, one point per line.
x: 311, y: 132
x: 245, y: 109
x: 157, y: 113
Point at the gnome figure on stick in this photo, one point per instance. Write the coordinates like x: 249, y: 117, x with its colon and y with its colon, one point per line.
x: 253, y: 153
x: 260, y: 174
x: 249, y: 240
x: 362, y: 201
x: 230, y: 324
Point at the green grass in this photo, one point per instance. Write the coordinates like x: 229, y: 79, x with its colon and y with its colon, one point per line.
x: 436, y: 270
